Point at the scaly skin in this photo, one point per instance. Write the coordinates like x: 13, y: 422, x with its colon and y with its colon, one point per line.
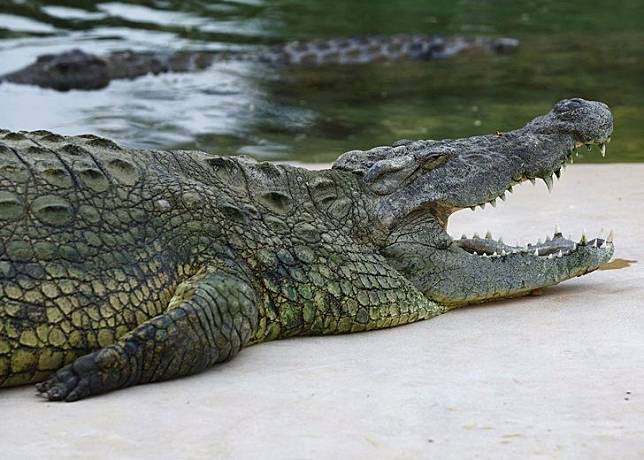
x: 120, y: 267
x: 77, y: 69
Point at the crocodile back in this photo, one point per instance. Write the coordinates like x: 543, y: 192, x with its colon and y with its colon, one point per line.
x: 359, y: 50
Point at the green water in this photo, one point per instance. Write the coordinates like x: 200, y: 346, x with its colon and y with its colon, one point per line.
x: 593, y: 50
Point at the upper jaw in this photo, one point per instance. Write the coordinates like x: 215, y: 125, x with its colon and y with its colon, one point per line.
x: 540, y: 149
x: 547, y: 171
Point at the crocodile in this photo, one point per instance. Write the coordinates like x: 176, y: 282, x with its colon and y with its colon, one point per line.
x: 77, y: 69
x: 121, y: 267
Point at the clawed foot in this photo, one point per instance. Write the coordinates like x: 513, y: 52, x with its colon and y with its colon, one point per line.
x: 88, y: 375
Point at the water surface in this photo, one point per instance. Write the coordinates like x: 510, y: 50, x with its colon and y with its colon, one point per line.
x: 576, y: 48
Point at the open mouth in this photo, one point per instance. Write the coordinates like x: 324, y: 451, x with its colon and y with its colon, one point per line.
x: 553, y: 247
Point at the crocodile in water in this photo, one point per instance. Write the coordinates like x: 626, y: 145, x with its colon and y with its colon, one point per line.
x: 120, y: 267
x: 77, y: 69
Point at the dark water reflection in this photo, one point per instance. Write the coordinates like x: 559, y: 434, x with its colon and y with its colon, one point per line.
x: 312, y: 114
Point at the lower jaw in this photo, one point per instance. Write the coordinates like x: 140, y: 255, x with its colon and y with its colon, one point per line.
x: 486, y: 277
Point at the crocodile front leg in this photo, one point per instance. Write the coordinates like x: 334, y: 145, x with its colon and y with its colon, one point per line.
x: 209, y: 319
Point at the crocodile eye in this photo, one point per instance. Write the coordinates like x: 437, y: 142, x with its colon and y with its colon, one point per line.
x: 433, y: 161
x: 568, y: 104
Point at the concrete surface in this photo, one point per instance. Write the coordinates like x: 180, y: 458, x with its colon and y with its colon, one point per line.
x: 559, y: 376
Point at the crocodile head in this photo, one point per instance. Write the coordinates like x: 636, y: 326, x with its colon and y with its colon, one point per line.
x: 417, y: 185
x: 73, y: 69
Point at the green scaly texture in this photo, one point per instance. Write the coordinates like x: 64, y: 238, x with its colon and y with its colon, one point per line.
x: 120, y: 267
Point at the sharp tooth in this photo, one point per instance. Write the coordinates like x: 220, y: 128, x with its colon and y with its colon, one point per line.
x: 500, y: 240
x: 547, y: 238
x: 482, y: 206
x: 602, y: 149
x: 611, y: 235
x: 583, y: 239
x: 548, y: 181
x: 485, y: 254
x: 560, y: 253
x: 551, y: 256
x: 493, y: 203
x: 473, y: 208
x: 488, y: 235
x: 503, y: 252
x: 494, y: 254
x: 574, y: 247
x: 595, y: 243
x: 463, y: 236
x: 502, y: 196
x: 536, y: 252
x: 475, y: 253
x: 476, y: 235
x: 532, y: 180
x: 557, y: 230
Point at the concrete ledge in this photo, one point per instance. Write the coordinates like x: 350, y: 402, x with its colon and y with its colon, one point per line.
x: 560, y: 375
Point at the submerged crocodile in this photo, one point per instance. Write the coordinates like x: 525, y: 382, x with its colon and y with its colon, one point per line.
x: 120, y: 267
x: 77, y: 69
